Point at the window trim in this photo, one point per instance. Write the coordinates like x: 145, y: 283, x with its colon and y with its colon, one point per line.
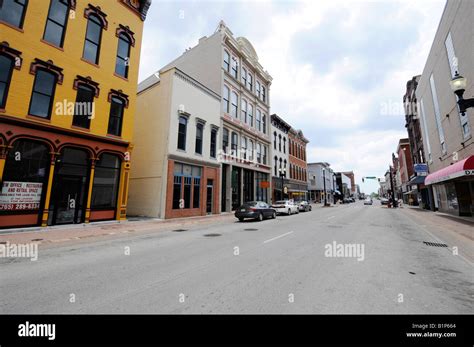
x: 50, y: 107
x: 22, y: 20
x: 8, y: 81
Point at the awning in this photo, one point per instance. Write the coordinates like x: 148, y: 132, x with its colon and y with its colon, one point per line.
x: 462, y: 168
x: 417, y: 180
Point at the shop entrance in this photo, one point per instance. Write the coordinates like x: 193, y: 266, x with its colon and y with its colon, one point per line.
x: 209, y: 196
x: 69, y: 197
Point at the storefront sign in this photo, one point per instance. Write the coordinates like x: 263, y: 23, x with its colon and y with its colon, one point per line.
x: 421, y: 169
x: 264, y: 184
x: 17, y: 196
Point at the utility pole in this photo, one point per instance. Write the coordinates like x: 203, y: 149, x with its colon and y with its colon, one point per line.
x: 395, y: 204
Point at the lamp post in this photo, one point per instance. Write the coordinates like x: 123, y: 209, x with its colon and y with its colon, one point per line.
x: 458, y: 86
x: 282, y: 172
x: 324, y: 184
x: 391, y: 185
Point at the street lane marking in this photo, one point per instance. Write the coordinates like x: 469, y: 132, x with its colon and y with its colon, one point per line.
x: 331, y: 217
x: 288, y: 233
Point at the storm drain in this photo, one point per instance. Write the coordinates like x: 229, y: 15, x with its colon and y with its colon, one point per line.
x: 37, y: 240
x: 250, y: 229
x: 434, y: 244
x: 179, y: 230
x: 212, y: 235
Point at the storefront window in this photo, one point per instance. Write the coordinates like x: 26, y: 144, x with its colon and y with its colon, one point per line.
x: 186, y: 186
x: 25, y: 176
x: 106, y: 182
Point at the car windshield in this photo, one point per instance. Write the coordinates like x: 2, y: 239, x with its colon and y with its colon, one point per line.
x: 250, y: 203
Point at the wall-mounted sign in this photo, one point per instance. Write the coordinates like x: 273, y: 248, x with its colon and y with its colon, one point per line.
x: 20, y: 196
x: 285, y: 189
x: 421, y: 169
x: 264, y: 184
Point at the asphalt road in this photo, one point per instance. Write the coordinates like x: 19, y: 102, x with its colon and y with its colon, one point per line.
x: 280, y: 266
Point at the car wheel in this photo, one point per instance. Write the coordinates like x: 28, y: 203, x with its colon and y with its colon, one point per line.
x: 289, y: 212
x: 260, y: 217
x: 310, y: 208
x: 274, y: 215
x: 241, y: 219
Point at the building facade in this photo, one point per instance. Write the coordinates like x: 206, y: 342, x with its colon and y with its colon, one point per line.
x: 176, y: 171
x: 229, y: 66
x: 405, y: 170
x: 69, y: 72
x: 351, y: 176
x: 321, y: 182
x: 298, y: 182
x: 447, y: 132
x: 343, y: 186
x: 279, y: 152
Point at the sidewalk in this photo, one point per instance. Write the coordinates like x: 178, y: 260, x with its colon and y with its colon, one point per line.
x: 64, y: 233
x: 453, y: 230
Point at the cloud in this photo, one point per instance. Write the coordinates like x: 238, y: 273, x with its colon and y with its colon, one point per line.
x: 337, y: 65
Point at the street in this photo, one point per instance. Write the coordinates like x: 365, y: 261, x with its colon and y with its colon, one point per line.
x: 274, y: 266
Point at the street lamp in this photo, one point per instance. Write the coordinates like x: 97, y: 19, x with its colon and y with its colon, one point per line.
x: 282, y: 172
x: 458, y: 86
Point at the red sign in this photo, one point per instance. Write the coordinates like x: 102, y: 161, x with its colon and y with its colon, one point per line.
x: 264, y: 184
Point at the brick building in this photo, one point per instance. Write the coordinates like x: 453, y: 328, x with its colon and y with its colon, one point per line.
x: 298, y: 179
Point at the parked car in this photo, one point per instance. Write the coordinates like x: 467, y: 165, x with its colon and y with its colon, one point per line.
x: 304, y: 206
x: 256, y: 210
x: 368, y: 201
x: 384, y: 201
x: 285, y: 207
x: 346, y: 201
x: 351, y: 199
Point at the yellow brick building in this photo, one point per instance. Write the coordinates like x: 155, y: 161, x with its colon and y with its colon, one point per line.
x: 68, y: 81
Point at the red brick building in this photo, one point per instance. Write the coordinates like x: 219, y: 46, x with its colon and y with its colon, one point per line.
x: 298, y: 179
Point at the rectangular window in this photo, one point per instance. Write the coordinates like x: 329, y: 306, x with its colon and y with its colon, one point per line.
x: 6, y: 70
x: 250, y: 82
x: 106, y: 182
x: 226, y: 62
x: 264, y: 94
x: 235, y: 100
x: 259, y: 153
x: 83, y: 107
x: 250, y: 114
x: 183, y: 124
x: 244, y: 76
x: 213, y: 143
x: 251, y: 149
x: 264, y: 123
x: 235, y: 67
x: 187, y: 192
x: 264, y: 155
x: 196, y: 191
x: 13, y: 12
x: 234, y: 144
x: 56, y: 22
x: 43, y: 94
x: 244, y: 111
x: 453, y: 65
x: 199, y: 133
x: 258, y: 120
x: 225, y: 99
x: 243, y: 141
x: 437, y: 114
x: 93, y: 38
x: 116, y: 116
x: 225, y: 140
x: 177, y: 191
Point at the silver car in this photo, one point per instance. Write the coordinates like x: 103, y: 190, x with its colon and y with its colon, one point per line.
x: 304, y: 206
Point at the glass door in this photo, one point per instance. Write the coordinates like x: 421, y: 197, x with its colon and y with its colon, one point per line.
x: 209, y: 196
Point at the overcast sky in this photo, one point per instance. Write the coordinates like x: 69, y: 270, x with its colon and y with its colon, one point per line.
x: 339, y: 67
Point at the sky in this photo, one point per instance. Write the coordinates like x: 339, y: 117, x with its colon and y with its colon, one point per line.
x: 339, y: 67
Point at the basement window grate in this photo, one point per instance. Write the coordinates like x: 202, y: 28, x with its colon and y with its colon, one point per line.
x: 435, y: 244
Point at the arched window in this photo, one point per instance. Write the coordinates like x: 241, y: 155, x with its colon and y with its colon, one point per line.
x: 26, y: 167
x: 235, y: 102
x: 106, y: 182
x: 123, y: 55
x: 182, y: 127
x: 226, y: 62
x: 83, y: 106
x: 117, y: 106
x: 199, y: 136
x: 225, y: 99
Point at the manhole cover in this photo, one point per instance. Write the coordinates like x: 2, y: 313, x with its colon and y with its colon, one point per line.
x: 179, y: 230
x: 212, y: 235
x: 434, y: 244
x: 37, y: 240
x: 250, y: 229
